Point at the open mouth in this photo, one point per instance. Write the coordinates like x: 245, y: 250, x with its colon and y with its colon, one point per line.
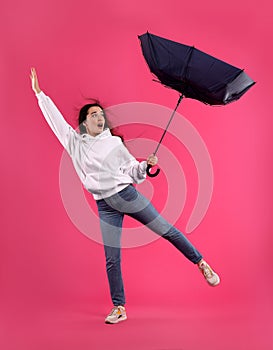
x: 100, y: 125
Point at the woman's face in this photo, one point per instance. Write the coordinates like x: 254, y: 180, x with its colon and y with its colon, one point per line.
x: 95, y: 121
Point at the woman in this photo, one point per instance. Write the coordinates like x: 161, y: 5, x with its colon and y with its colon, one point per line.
x: 108, y: 170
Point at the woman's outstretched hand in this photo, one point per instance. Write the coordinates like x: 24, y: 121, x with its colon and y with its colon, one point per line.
x: 152, y: 160
x: 34, y: 81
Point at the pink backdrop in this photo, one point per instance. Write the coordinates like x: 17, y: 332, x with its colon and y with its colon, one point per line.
x: 54, y: 292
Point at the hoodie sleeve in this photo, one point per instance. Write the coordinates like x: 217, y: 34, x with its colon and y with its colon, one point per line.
x: 64, y: 132
x: 135, y: 169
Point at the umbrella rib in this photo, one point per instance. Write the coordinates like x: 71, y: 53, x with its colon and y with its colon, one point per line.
x: 169, y: 122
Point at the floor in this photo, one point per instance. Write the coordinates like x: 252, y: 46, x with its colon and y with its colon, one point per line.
x: 81, y: 326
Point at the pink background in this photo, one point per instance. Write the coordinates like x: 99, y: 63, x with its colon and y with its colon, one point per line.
x: 54, y: 292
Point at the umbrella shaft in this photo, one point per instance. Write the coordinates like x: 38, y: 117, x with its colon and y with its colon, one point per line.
x: 169, y: 122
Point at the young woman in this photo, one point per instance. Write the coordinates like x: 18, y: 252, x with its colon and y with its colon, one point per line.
x: 108, y: 170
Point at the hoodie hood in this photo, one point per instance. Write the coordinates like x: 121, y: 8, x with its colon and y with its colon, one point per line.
x: 103, y: 135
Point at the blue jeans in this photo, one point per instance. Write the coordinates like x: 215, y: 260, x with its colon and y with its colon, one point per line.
x: 111, y: 212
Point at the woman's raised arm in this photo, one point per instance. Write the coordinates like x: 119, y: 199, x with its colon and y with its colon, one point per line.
x: 64, y: 131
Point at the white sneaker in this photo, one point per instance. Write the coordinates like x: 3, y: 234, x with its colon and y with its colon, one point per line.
x: 117, y: 314
x: 212, y: 278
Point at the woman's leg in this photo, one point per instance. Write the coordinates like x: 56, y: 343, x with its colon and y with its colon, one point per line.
x: 129, y: 201
x: 134, y: 204
x: 153, y: 220
x: 111, y: 227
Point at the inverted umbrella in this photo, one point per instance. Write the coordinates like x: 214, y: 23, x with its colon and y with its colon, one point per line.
x: 193, y: 73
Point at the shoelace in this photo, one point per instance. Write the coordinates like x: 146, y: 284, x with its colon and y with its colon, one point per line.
x: 207, y: 271
x: 114, y: 310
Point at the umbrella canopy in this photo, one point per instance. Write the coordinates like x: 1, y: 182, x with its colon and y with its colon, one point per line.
x: 192, y: 72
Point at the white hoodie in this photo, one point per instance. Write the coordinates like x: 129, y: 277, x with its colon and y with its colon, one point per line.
x: 103, y: 163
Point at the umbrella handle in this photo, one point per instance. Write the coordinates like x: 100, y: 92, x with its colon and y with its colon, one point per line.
x: 150, y: 174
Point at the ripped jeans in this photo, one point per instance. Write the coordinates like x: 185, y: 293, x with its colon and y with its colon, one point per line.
x: 111, y: 213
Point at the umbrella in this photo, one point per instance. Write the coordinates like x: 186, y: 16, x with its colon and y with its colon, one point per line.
x: 193, y: 73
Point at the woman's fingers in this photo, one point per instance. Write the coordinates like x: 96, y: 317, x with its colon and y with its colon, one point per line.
x: 34, y: 80
x: 33, y: 73
x: 152, y: 160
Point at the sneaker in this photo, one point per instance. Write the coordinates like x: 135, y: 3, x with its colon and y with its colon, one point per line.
x: 117, y: 314
x: 212, y: 278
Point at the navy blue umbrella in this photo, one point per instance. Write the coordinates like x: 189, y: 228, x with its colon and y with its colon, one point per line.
x: 193, y: 73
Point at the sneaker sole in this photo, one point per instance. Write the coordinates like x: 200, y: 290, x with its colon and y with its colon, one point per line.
x: 122, y: 318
